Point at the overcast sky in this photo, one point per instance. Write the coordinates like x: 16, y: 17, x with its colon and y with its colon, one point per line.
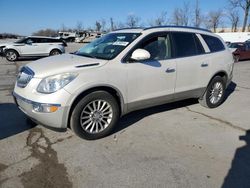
x: 27, y: 16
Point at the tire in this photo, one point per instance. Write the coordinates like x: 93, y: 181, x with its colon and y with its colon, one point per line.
x: 236, y: 58
x: 54, y: 52
x: 95, y: 115
x: 215, y: 93
x: 11, y: 55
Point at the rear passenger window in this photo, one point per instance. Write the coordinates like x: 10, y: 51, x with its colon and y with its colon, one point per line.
x: 44, y: 40
x: 213, y: 43
x: 186, y: 44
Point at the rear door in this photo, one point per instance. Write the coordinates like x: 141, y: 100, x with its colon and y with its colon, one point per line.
x: 192, y: 64
x: 44, y: 45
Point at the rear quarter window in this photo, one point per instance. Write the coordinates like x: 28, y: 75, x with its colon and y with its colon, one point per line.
x: 214, y: 44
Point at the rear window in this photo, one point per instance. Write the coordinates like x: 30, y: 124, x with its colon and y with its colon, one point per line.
x: 213, y: 43
x: 236, y: 45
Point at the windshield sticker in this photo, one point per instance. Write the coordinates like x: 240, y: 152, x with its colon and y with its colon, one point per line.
x: 120, y: 43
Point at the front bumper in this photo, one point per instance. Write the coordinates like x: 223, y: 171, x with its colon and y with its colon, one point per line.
x: 2, y: 52
x: 54, y: 119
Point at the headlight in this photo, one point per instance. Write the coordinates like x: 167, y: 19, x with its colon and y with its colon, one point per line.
x: 52, y: 84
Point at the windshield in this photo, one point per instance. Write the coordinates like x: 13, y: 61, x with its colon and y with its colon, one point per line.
x: 22, y: 40
x: 108, y: 46
x: 236, y: 45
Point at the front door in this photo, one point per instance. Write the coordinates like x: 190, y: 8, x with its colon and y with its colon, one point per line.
x: 151, y: 82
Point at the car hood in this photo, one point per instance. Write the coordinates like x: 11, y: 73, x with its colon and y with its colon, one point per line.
x: 5, y: 44
x: 11, y: 44
x: 232, y: 49
x: 63, y: 63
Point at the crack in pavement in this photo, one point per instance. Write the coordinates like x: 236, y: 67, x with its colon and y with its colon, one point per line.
x: 217, y: 119
x: 49, y: 172
x: 242, y: 87
x: 2, y: 168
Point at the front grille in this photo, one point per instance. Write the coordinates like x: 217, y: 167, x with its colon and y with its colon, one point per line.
x: 24, y: 77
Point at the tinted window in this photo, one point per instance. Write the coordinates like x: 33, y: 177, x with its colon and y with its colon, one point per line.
x: 213, y: 43
x: 199, y: 47
x: 32, y: 40
x: 158, y: 47
x: 185, y: 44
x: 247, y: 46
x: 235, y: 45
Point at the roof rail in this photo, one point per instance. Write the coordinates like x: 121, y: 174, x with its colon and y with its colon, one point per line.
x: 125, y: 28
x: 175, y: 26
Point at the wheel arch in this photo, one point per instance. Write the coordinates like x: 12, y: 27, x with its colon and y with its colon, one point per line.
x: 110, y: 89
x: 58, y: 49
x: 7, y: 49
x: 221, y: 73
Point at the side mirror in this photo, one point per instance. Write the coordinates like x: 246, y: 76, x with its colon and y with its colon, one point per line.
x: 140, y: 54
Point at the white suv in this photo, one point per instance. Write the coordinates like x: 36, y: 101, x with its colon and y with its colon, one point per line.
x: 32, y: 47
x: 123, y: 71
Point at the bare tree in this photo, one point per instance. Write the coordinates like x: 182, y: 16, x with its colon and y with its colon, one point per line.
x: 233, y: 16
x: 181, y: 16
x: 132, y: 20
x: 159, y: 20
x: 177, y: 17
x: 214, y: 19
x: 103, y: 23
x: 197, y: 14
x: 63, y: 27
x: 112, y: 24
x: 46, y: 32
x: 79, y: 26
x: 98, y: 26
x: 186, y: 13
x: 120, y: 25
x: 245, y: 5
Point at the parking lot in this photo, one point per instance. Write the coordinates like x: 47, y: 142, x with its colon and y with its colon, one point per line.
x: 180, y: 144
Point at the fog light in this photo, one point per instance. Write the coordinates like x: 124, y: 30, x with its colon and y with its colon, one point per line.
x: 45, y: 108
x: 37, y: 107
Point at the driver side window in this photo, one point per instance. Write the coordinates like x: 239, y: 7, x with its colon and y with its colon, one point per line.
x: 29, y: 41
x: 158, y: 46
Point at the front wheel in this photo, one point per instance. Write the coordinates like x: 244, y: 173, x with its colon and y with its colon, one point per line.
x: 214, y: 94
x: 11, y: 55
x: 95, y: 116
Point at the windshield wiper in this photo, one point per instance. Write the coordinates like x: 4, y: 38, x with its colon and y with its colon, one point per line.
x: 86, y: 55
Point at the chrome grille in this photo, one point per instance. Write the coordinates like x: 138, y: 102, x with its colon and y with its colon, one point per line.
x: 24, y: 77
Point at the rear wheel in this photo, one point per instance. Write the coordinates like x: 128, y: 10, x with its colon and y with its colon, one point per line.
x: 95, y: 116
x: 55, y: 52
x: 214, y: 94
x: 11, y: 55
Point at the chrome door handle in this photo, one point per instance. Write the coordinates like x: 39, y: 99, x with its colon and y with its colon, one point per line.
x: 169, y: 70
x: 204, y: 65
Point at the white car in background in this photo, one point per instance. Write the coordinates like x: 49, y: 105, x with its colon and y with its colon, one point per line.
x: 32, y: 47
